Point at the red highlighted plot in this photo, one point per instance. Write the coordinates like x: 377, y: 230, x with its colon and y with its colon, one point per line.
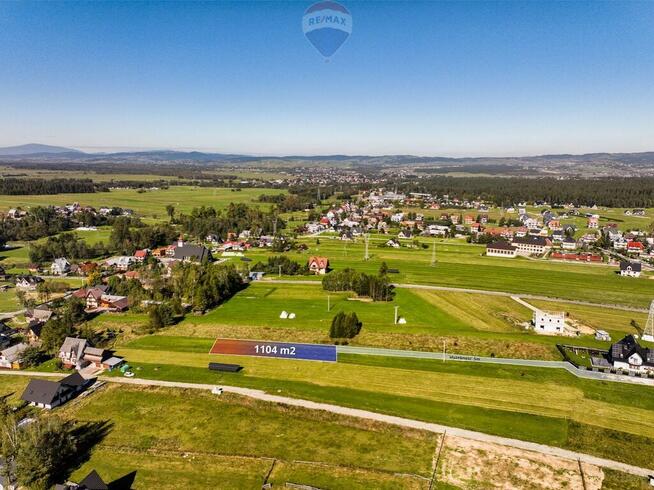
x: 284, y: 350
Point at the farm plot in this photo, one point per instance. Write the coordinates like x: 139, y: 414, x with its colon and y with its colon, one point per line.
x: 149, y: 203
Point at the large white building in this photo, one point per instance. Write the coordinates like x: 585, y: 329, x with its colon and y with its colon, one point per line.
x: 549, y: 323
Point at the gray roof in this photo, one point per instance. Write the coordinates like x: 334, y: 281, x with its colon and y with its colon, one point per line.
x: 74, y: 345
x: 41, y: 391
x: 93, y: 482
x: 194, y: 252
x: 12, y: 353
x: 634, y: 266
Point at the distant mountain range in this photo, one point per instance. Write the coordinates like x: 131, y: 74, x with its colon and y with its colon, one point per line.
x: 586, y: 164
x: 35, y: 149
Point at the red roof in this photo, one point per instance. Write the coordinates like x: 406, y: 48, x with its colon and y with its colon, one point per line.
x: 141, y: 253
x: 635, y: 245
x: 320, y: 262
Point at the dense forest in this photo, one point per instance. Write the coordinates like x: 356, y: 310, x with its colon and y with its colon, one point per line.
x: 610, y: 192
x: 14, y: 187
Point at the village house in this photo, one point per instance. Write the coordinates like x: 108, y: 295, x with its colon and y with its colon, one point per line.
x: 60, y: 267
x: 630, y: 269
x: 532, y: 245
x: 71, y: 352
x: 629, y: 355
x: 120, y: 263
x: 190, y: 253
x: 48, y: 394
x: 92, y: 481
x: 28, y: 283
x: 141, y: 255
x: 318, y: 265
x: 634, y: 247
x: 593, y: 222
x: 38, y: 315
x: 501, y: 249
x: 549, y: 323
x: 10, y: 358
x: 569, y: 244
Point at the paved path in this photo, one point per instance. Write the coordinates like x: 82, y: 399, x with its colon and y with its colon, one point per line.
x: 478, y: 291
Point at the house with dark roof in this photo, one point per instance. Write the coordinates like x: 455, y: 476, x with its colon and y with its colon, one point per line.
x: 28, y: 283
x: 629, y: 355
x: 532, y: 245
x: 630, y: 269
x: 501, y: 249
x: 47, y: 394
x: 190, y: 253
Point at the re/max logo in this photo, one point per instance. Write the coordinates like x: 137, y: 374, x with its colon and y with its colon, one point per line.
x: 327, y: 19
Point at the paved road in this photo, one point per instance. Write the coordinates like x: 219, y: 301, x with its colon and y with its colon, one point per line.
x: 478, y: 291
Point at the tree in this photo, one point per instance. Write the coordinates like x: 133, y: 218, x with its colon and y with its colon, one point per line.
x: 383, y: 269
x: 43, y: 448
x: 32, y: 356
x: 161, y: 316
x: 345, y: 326
x: 170, y: 211
x: 54, y: 333
x: 94, y: 278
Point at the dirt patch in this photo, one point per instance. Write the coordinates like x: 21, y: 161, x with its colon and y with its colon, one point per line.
x: 473, y: 464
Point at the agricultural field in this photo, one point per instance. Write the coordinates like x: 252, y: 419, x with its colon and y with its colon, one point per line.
x: 542, y: 405
x: 462, y: 265
x: 462, y: 323
x: 151, y: 203
x: 253, y: 442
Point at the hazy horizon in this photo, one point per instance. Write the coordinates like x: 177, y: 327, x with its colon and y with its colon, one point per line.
x: 427, y: 78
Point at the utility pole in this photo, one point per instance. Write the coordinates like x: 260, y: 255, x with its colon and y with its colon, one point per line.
x: 443, y: 350
x: 366, y: 238
x: 280, y: 271
x: 433, y: 254
x: 329, y: 307
x: 395, y: 320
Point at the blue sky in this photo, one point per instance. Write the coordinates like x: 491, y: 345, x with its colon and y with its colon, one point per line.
x: 426, y: 78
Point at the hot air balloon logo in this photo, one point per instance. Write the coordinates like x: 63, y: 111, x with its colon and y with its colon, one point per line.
x: 327, y: 25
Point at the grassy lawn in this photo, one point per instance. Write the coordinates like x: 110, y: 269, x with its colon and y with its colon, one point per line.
x: 230, y: 442
x: 462, y: 265
x: 465, y: 323
x: 8, y: 301
x: 525, y: 403
x: 150, y: 203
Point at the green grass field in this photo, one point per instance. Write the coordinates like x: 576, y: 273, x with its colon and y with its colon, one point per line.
x: 542, y: 405
x: 231, y: 442
x: 462, y: 265
x: 150, y: 203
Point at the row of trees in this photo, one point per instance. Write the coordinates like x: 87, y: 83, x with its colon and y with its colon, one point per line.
x: 129, y: 235
x: 281, y: 264
x: 378, y: 288
x: 206, y: 220
x: 66, y: 245
x: 205, y: 285
x: 14, y: 186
